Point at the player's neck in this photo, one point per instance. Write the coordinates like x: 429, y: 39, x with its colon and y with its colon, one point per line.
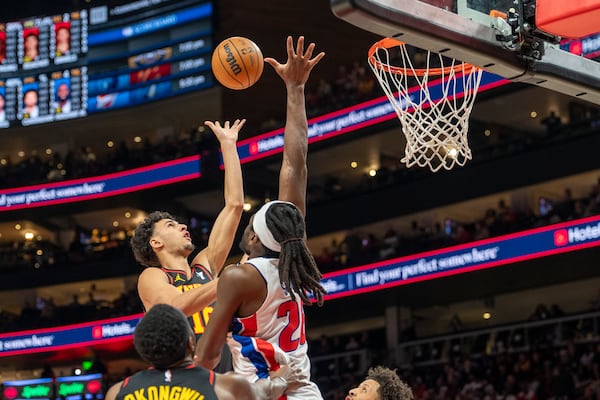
x: 174, y: 261
x: 184, y: 363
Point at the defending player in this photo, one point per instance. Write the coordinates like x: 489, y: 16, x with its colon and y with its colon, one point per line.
x: 265, y: 294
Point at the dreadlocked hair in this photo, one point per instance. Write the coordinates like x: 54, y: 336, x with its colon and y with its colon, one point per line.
x: 140, y: 242
x: 161, y: 337
x: 390, y: 385
x: 298, y: 271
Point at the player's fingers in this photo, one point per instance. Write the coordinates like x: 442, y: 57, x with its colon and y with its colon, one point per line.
x: 309, y: 51
x: 272, y: 62
x: 290, y: 47
x: 317, y: 58
x: 237, y: 124
x: 226, y: 126
x: 300, y: 47
x: 241, y: 123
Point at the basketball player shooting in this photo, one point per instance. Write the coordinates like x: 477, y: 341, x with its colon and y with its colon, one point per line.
x: 265, y: 295
x: 162, y: 245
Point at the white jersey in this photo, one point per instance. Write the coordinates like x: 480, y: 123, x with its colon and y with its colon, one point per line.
x: 273, y: 336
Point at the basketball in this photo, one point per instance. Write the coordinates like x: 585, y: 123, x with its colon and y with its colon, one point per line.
x: 237, y: 63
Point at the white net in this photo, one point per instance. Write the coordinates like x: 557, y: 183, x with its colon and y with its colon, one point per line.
x: 433, y: 103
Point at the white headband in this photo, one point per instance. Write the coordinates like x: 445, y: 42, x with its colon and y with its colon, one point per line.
x: 259, y: 225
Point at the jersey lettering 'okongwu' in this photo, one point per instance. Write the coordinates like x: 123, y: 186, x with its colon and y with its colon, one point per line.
x: 190, y: 383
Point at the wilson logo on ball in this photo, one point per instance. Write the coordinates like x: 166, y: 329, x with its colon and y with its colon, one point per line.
x: 235, y: 68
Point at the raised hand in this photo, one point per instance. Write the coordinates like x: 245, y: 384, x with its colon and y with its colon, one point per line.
x: 299, y: 63
x: 226, y: 132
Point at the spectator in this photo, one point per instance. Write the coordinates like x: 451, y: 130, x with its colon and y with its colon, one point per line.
x: 456, y: 324
x: 541, y: 312
x: 47, y: 372
x: 552, y: 123
x: 556, y: 311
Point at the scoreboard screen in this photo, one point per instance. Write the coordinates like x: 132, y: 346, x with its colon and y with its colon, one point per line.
x: 43, y: 72
x: 106, y: 57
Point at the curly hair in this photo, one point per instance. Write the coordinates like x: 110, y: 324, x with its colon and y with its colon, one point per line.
x: 161, y: 337
x: 140, y: 242
x: 390, y: 385
x: 298, y: 270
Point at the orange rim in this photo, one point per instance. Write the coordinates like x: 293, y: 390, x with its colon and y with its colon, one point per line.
x: 388, y: 43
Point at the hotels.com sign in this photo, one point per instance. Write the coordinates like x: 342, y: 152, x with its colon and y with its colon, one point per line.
x: 113, y: 330
x: 489, y: 253
x: 69, y: 336
x: 577, y: 234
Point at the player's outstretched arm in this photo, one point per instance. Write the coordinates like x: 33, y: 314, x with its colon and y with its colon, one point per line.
x: 223, y: 231
x: 237, y: 285
x: 295, y: 73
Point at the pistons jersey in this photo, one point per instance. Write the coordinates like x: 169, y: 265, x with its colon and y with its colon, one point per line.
x: 273, y: 336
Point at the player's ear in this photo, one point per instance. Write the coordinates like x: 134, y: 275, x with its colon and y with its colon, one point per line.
x: 155, y: 243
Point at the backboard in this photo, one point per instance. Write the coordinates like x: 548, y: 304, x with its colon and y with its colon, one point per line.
x: 485, y: 33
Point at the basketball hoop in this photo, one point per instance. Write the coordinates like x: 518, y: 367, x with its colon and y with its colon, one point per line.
x: 434, y: 114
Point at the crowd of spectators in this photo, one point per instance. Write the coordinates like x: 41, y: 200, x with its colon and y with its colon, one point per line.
x: 88, y: 246
x: 44, y: 312
x: 51, y: 166
x: 351, y: 85
x: 544, y: 367
x: 360, y: 247
x: 357, y: 248
x: 564, y: 372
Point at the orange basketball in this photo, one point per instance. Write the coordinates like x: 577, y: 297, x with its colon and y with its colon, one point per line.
x: 237, y: 63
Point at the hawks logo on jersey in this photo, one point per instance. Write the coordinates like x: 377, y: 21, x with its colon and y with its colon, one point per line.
x: 199, y: 277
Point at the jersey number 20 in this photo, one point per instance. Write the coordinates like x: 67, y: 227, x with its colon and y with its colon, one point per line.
x: 295, y: 317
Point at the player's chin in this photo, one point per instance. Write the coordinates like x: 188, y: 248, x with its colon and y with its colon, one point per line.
x: 189, y: 247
